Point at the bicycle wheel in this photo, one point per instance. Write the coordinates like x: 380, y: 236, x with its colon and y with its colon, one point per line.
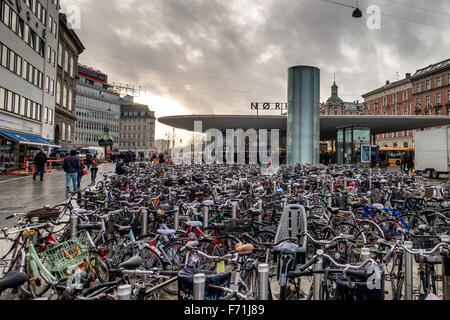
x: 396, y: 275
x: 413, y: 221
x: 97, y: 267
x: 371, y: 230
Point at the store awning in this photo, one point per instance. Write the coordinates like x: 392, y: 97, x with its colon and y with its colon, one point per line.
x: 25, y: 138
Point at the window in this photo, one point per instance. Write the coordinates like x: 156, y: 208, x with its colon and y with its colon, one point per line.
x: 46, y: 115
x: 52, y: 87
x: 418, y: 88
x: 60, y: 55
x: 438, y: 82
x: 50, y: 117
x: 54, y: 28
x: 394, y: 111
x: 384, y: 101
x: 26, y: 35
x: 19, y: 66
x: 58, y: 92
x: 438, y: 98
x: 395, y: 98
x: 50, y: 24
x: 405, y: 110
x: 66, y: 61
x: 12, y: 61
x: 47, y: 87
x: 70, y: 99
x: 4, y: 56
x: 63, y: 131
x: 6, y: 14
x: 448, y: 96
x: 13, y: 21
x: 29, y: 108
x: 53, y: 57
x: 2, y: 98
x: 64, y: 98
x: 428, y: 85
x: 22, y: 106
x: 69, y: 132
x: 71, y: 67
x: 427, y: 101
x: 9, y: 101
x: 49, y: 54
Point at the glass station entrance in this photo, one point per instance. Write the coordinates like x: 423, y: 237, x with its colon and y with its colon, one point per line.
x: 348, y: 144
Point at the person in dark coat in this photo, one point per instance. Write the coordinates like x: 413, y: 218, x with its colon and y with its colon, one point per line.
x: 39, y: 162
x: 71, y: 166
x: 161, y: 158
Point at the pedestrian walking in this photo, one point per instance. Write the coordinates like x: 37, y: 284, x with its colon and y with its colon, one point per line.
x: 403, y: 158
x: 71, y: 166
x: 39, y: 164
x: 81, y: 173
x: 409, y: 162
x: 94, y: 168
x: 88, y: 159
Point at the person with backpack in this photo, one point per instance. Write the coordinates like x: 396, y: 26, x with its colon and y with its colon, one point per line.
x: 88, y: 159
x: 94, y: 168
x: 39, y: 162
x: 71, y: 166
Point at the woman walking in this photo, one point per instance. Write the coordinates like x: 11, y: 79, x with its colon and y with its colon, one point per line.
x: 94, y: 168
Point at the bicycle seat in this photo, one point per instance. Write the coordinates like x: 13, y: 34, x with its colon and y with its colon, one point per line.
x: 244, y: 247
x: 132, y: 263
x: 165, y: 207
x: 378, y: 206
x: 213, y: 226
x: 12, y: 279
x: 122, y: 229
x: 287, y: 247
x: 194, y: 224
x: 166, y: 232
x: 78, y: 211
x: 334, y: 210
x: 208, y: 203
x: 89, y: 227
x: 355, y: 204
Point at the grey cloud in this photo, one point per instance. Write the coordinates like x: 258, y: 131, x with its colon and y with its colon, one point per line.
x: 150, y: 43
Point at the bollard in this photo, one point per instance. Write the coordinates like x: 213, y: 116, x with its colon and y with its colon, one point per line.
x: 233, y: 210
x: 408, y: 271
x: 144, y: 222
x: 26, y: 167
x: 263, y: 274
x: 290, y: 187
x: 365, y: 254
x: 274, y: 187
x: 317, y: 276
x: 177, y: 218
x: 205, y: 216
x: 124, y: 292
x: 50, y: 166
x: 260, y: 209
x: 199, y: 286
x: 73, y: 226
x: 446, y: 271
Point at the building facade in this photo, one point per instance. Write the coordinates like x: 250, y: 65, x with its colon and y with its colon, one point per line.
x: 137, y: 128
x: 69, y: 48
x: 393, y: 99
x: 28, y: 44
x: 431, y: 89
x: 96, y: 106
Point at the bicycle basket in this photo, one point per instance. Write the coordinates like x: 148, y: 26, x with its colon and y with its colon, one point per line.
x: 44, y: 214
x: 70, y: 253
x: 425, y: 243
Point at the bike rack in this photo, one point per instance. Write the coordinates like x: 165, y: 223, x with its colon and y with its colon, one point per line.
x: 124, y: 292
x: 408, y: 271
x: 263, y: 274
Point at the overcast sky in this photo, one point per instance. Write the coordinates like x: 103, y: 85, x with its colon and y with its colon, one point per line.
x: 218, y: 56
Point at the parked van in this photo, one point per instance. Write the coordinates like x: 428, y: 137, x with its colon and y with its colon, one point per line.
x: 99, y: 151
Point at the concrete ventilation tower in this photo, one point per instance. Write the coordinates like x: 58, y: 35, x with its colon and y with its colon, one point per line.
x: 303, y: 120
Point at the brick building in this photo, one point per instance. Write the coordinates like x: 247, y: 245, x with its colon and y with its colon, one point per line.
x: 431, y: 89
x: 392, y: 99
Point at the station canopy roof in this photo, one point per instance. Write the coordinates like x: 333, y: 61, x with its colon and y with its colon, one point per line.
x: 328, y: 123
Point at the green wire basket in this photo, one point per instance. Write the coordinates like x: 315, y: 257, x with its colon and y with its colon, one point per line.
x: 70, y: 253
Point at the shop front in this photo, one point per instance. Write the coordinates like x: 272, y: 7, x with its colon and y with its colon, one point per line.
x: 349, y: 143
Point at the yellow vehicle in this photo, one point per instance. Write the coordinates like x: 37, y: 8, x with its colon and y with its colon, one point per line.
x: 394, y: 154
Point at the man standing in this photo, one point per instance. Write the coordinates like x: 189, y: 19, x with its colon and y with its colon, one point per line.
x: 39, y: 162
x: 403, y: 159
x: 71, y: 166
x: 94, y: 167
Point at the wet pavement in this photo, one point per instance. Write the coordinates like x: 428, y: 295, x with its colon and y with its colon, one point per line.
x: 23, y: 194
